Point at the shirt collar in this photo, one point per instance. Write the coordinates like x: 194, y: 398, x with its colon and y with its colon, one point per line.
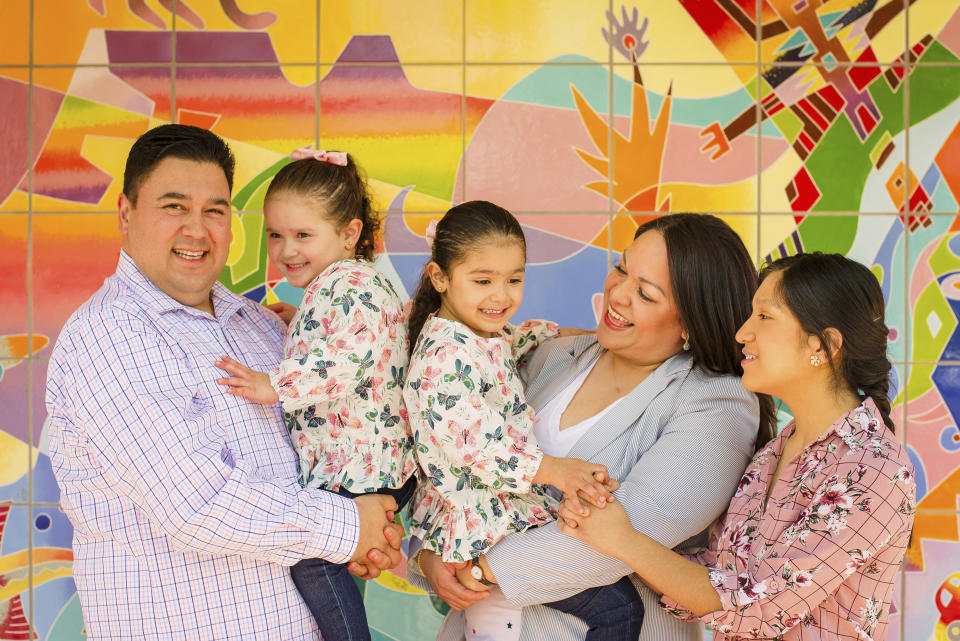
x: 868, y: 407
x: 225, y: 302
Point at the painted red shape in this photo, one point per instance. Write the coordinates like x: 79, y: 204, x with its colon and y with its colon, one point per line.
x: 948, y: 162
x: 866, y: 118
x: 200, y: 119
x: 833, y: 97
x: 13, y: 114
x: 807, y: 192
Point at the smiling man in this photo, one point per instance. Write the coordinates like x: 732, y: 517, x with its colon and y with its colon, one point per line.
x: 184, y: 500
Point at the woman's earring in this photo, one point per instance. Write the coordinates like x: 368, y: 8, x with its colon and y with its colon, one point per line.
x: 686, y: 345
x: 815, y: 360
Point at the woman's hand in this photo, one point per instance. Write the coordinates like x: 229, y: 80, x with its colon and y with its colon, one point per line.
x: 243, y: 381
x: 608, y: 531
x: 285, y: 311
x: 442, y: 577
x: 572, y: 476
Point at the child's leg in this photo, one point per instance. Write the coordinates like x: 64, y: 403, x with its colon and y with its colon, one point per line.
x: 333, y: 599
x: 493, y: 619
x: 612, y: 612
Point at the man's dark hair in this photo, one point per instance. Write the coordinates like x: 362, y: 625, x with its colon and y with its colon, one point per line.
x: 177, y: 141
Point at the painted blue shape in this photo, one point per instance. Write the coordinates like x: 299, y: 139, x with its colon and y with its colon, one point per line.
x: 930, y: 179
x: 919, y: 473
x: 830, y: 62
x: 798, y: 38
x: 954, y: 245
x: 884, y: 257
x: 947, y: 379
x: 257, y: 293
x: 42, y: 521
x: 943, y: 199
x: 831, y: 23
x: 45, y: 488
x: 290, y: 294
x: 15, y: 532
x: 894, y: 388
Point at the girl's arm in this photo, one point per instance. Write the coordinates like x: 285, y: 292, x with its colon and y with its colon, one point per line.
x: 855, y: 514
x: 527, y: 336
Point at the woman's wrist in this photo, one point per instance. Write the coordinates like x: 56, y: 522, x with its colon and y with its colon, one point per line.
x: 487, y: 570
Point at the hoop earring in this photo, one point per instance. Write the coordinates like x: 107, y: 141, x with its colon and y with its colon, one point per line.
x: 815, y: 360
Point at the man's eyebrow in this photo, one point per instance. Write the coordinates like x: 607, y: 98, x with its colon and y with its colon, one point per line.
x: 176, y: 195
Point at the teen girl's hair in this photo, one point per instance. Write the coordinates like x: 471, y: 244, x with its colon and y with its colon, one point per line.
x: 827, y: 291
x: 461, y: 229
x: 713, y: 280
x: 341, y: 191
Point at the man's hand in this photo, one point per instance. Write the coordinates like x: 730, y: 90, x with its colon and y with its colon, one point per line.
x: 243, y: 381
x: 376, y: 560
x: 442, y: 578
x: 285, y: 311
x: 379, y: 544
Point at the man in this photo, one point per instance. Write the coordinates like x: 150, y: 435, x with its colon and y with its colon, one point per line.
x: 184, y: 500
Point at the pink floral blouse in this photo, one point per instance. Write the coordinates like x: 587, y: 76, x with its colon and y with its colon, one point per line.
x: 474, y: 438
x: 821, y: 562
x: 341, y: 382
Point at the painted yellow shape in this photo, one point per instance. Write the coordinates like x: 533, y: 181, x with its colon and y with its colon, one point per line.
x: 49, y: 564
x: 393, y: 582
x: 740, y: 196
x: 20, y: 346
x: 15, y: 459
x: 939, y: 526
x: 238, y: 242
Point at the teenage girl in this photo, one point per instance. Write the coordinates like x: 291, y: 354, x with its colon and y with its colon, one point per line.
x: 341, y: 378
x: 473, y: 428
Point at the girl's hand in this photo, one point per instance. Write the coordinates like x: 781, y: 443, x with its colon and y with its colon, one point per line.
x: 243, y: 381
x: 285, y: 311
x: 572, y: 476
x: 442, y: 578
x: 608, y: 531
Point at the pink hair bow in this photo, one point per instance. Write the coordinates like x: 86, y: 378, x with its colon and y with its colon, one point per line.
x: 332, y: 157
x: 431, y: 232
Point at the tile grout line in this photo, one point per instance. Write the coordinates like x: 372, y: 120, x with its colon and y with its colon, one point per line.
x: 758, y: 110
x: 173, y: 63
x: 316, y: 93
x: 907, y: 343
x: 610, y: 140
x: 29, y: 284
x: 463, y: 102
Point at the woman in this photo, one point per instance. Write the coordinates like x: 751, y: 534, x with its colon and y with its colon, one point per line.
x: 655, y: 396
x: 813, y: 539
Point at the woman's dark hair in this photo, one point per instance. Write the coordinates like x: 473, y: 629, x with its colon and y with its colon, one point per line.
x: 461, y: 229
x: 713, y: 281
x: 341, y: 190
x: 175, y: 141
x: 827, y: 291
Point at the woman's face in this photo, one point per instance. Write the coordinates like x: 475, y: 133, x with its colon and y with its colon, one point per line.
x: 639, y: 320
x: 776, y: 350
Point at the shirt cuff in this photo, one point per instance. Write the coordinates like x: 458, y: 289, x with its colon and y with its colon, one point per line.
x: 725, y: 583
x: 338, y: 522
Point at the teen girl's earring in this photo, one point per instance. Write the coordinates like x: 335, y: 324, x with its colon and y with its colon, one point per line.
x: 815, y: 360
x: 686, y: 345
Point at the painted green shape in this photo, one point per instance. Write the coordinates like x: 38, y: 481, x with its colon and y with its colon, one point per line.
x: 68, y: 626
x: 252, y: 257
x: 255, y: 203
x: 933, y: 88
x: 942, y: 260
x: 840, y: 152
x: 788, y: 123
x: 925, y: 346
x: 550, y: 85
x: 80, y: 112
x: 441, y: 606
x: 752, y: 88
x: 361, y: 585
x: 401, y: 615
x: 829, y: 234
x: 877, y: 271
x: 377, y: 635
x: 242, y: 198
x: 879, y: 147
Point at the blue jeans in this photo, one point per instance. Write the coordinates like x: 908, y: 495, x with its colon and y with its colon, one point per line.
x: 612, y: 612
x: 330, y: 591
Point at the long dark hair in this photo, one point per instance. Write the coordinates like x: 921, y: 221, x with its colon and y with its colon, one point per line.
x: 825, y: 291
x: 713, y: 281
x: 340, y: 190
x: 462, y: 228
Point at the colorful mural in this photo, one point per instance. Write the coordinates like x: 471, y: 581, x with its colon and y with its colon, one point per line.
x: 811, y: 124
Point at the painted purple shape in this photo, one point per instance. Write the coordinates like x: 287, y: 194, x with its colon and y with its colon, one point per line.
x: 800, y: 6
x: 139, y: 46
x: 13, y: 113
x: 374, y: 49
x: 227, y: 46
x: 397, y: 237
x: 544, y: 247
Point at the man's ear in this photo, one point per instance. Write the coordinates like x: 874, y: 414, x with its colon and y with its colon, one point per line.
x: 124, y: 208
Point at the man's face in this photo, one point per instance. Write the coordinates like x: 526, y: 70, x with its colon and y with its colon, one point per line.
x: 178, y: 234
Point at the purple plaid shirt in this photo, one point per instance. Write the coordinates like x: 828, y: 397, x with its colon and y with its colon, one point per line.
x: 184, y: 500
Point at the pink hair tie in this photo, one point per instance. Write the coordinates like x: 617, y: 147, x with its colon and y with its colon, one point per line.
x: 332, y: 157
x: 431, y: 232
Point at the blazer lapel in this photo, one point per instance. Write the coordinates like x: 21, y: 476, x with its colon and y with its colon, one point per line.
x: 560, y: 367
x: 629, y: 409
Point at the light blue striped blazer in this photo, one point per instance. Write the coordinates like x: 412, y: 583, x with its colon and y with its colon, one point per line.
x: 678, y: 444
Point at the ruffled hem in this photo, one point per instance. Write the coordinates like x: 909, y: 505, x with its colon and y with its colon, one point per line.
x: 341, y: 465
x: 466, y: 531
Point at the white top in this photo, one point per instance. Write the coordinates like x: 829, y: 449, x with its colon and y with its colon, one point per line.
x: 546, y: 425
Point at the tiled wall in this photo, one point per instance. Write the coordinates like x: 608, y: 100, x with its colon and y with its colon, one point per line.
x: 808, y: 124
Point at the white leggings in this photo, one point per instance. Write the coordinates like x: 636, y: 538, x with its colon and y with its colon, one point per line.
x: 493, y: 619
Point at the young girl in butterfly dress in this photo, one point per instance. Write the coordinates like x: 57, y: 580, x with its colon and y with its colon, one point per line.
x: 474, y: 430
x: 341, y: 379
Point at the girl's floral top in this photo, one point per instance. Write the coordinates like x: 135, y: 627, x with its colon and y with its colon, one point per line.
x: 474, y: 436
x: 341, y: 382
x: 821, y: 562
